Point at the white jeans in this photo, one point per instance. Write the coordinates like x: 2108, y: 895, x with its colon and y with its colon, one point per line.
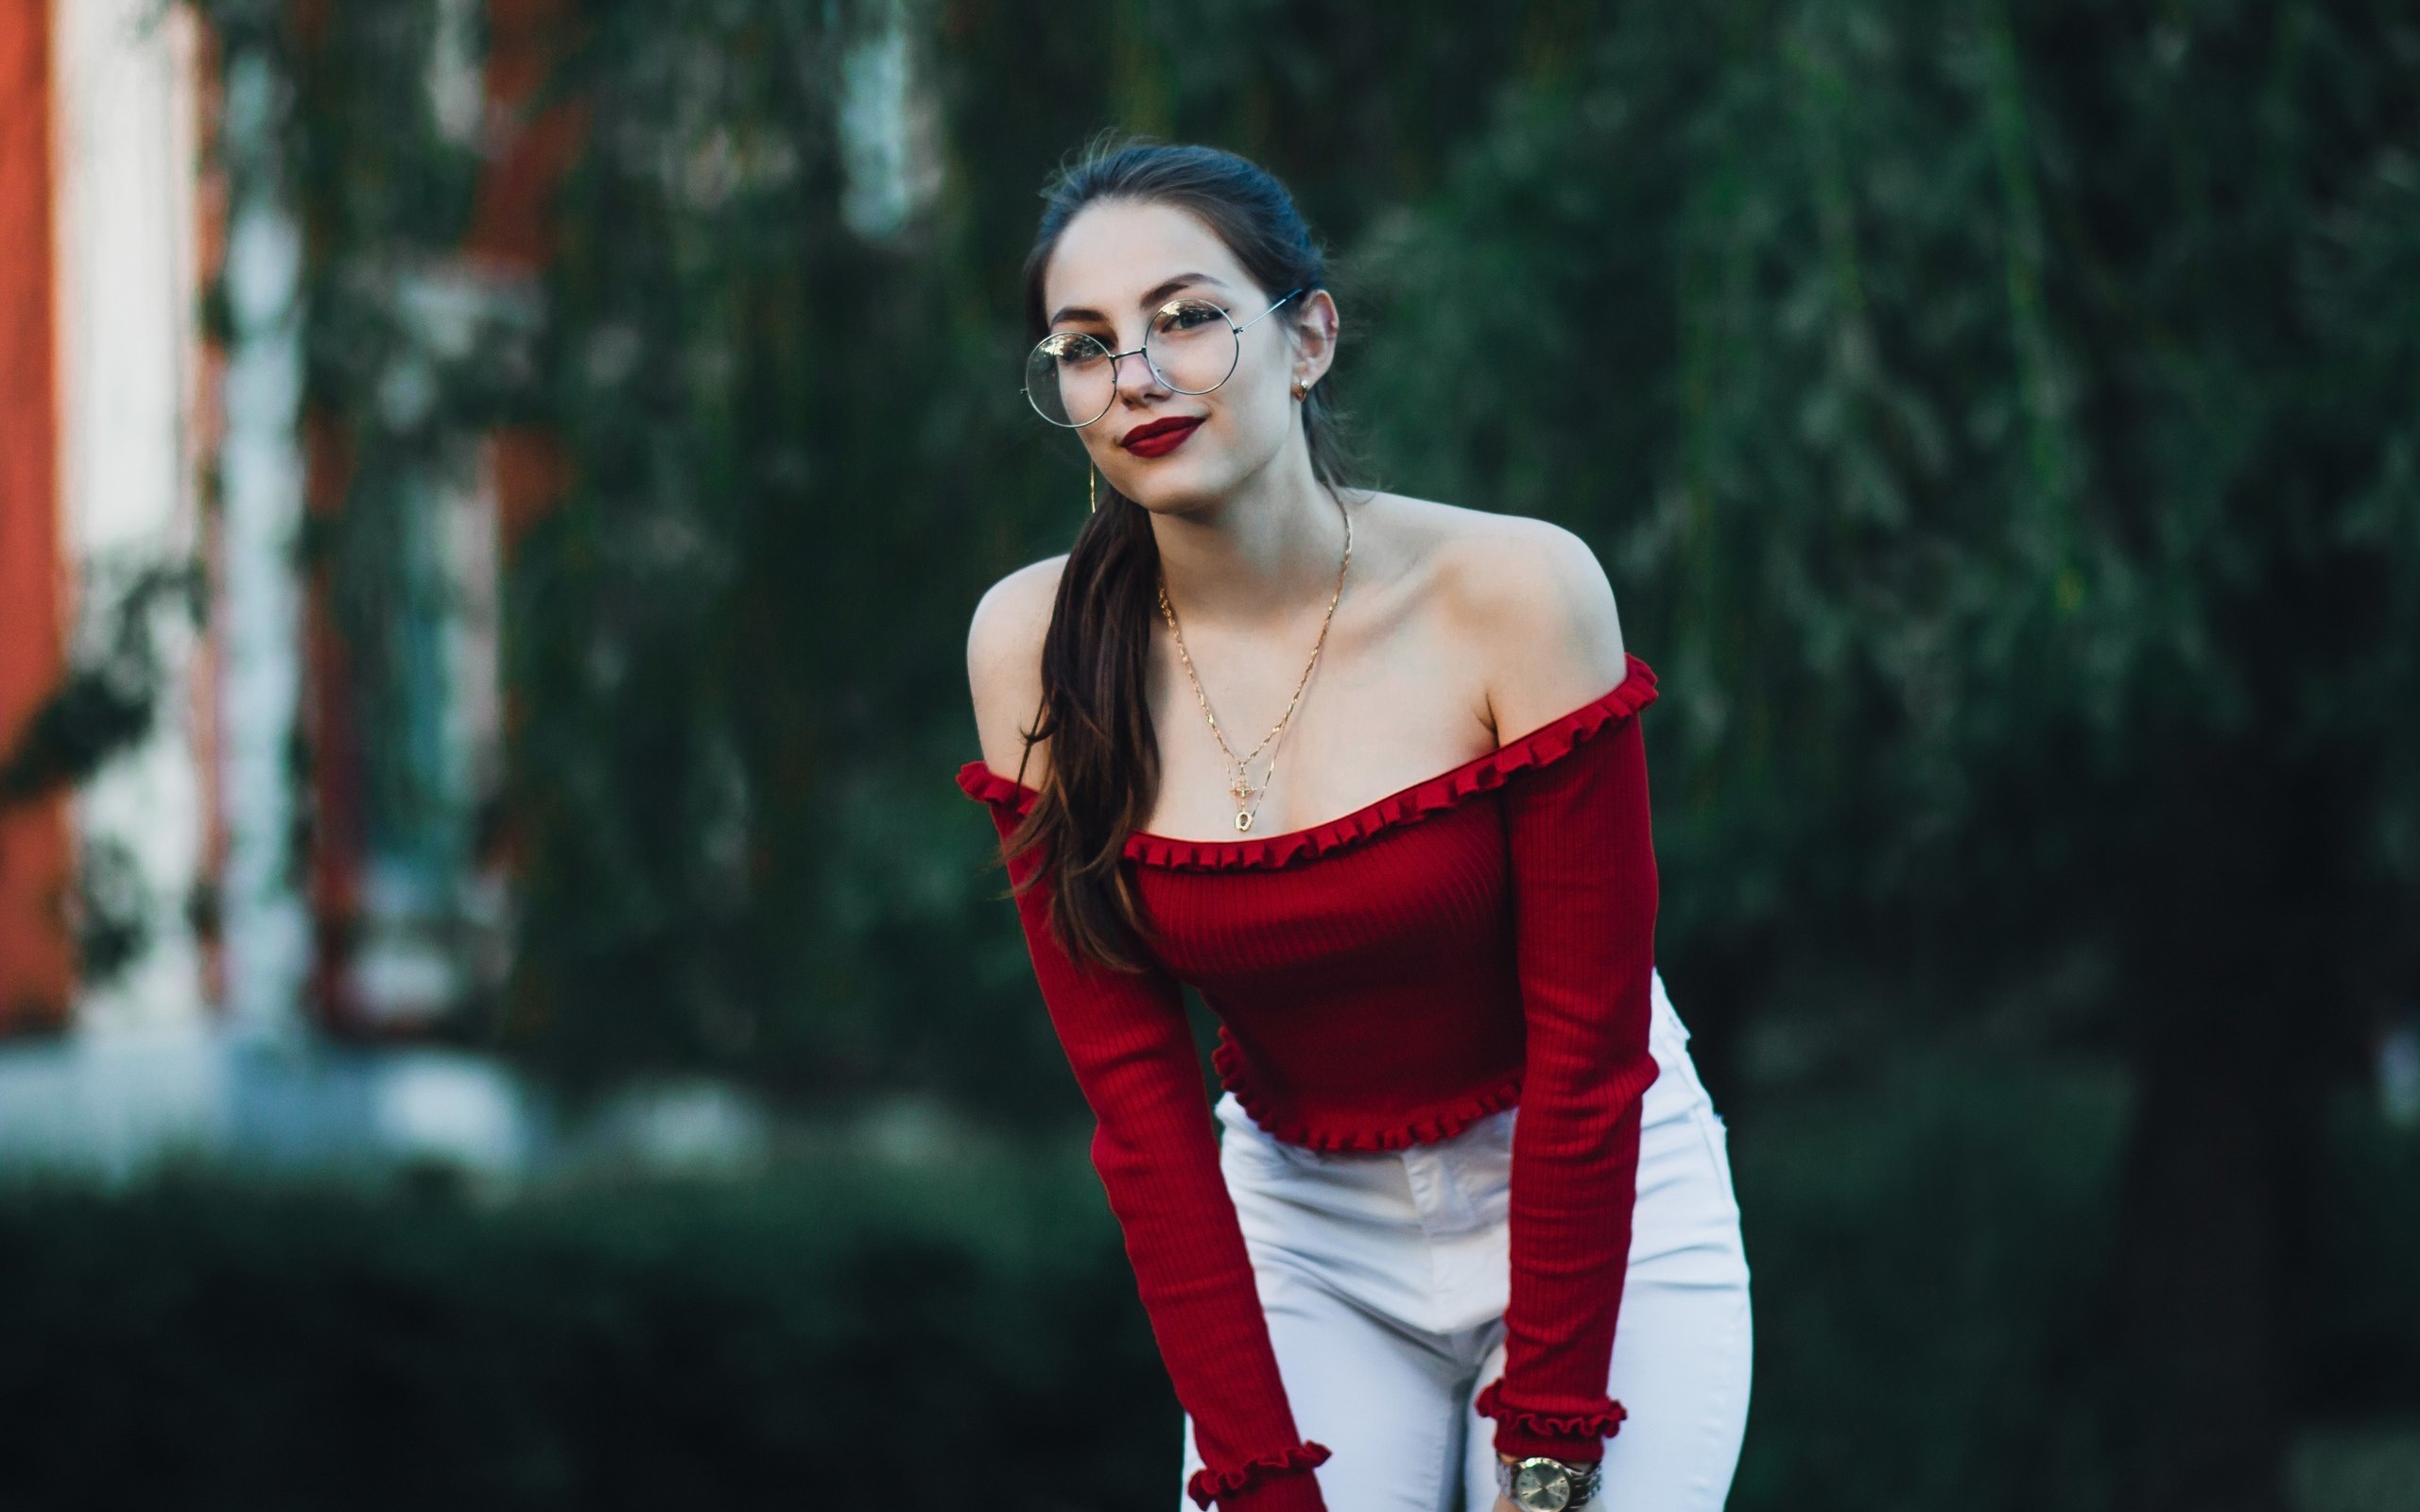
x: 1384, y: 1277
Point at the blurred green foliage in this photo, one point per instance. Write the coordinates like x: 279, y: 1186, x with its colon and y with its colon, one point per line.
x: 2002, y: 438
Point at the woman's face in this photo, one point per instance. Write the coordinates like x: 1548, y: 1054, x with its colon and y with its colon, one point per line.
x: 1117, y: 264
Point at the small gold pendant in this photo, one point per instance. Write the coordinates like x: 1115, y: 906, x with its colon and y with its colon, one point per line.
x: 1243, y: 821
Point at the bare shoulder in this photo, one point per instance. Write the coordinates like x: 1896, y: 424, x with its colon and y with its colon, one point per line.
x: 1004, y: 663
x: 1533, y: 598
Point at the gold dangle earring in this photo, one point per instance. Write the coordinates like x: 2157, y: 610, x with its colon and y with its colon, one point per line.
x: 1092, y: 489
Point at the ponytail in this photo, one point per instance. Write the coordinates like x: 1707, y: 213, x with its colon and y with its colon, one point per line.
x: 1096, y: 713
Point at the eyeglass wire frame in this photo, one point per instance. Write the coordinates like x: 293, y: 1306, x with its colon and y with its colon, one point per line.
x: 1144, y: 352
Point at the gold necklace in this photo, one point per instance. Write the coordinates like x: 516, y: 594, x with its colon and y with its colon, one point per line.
x: 1246, y: 792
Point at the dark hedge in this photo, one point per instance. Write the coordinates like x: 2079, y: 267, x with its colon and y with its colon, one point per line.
x: 1930, y: 1328
x: 751, y: 1347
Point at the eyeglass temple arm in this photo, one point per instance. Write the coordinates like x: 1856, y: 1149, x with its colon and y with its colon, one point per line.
x: 1271, y: 310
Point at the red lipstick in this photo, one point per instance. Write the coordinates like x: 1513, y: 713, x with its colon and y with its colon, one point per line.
x: 1160, y: 437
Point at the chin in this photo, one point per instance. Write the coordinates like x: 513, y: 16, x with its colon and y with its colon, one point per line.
x: 1188, y: 481
x: 1180, y: 490
x: 1178, y: 501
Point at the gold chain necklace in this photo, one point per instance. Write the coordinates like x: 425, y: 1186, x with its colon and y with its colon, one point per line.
x: 1246, y: 792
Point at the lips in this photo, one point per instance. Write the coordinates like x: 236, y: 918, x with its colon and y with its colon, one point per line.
x: 1160, y: 437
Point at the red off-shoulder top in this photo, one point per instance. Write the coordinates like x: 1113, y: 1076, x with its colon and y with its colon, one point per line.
x: 1383, y: 980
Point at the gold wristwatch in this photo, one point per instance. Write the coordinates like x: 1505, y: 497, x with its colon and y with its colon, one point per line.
x: 1540, y: 1484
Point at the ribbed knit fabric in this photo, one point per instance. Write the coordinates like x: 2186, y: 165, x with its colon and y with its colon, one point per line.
x: 1384, y: 979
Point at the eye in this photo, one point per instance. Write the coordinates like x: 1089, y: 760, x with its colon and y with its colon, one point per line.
x: 1186, y: 315
x: 1073, y: 348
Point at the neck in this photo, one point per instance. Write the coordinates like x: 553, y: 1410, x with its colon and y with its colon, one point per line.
x: 1261, y: 552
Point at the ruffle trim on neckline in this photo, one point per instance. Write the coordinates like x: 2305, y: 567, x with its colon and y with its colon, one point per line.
x: 1541, y: 746
x: 1441, y: 1123
x: 1537, y: 1424
x: 1207, y: 1487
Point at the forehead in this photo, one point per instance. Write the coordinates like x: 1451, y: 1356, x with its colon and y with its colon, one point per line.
x: 1116, y: 251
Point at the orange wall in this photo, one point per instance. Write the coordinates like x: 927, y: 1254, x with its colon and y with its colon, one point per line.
x: 512, y: 222
x: 513, y: 225
x: 35, y: 971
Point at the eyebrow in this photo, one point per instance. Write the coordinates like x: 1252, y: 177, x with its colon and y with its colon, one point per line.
x: 1151, y: 297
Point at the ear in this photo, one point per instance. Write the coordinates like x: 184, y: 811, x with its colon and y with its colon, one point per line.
x: 1315, y: 331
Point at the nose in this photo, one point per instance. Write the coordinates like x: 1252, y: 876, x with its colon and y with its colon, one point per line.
x: 1136, y: 382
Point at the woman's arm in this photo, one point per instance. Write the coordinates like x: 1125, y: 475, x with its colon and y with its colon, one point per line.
x: 1584, y: 898
x: 1132, y: 1054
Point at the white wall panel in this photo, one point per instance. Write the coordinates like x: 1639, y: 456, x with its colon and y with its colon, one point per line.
x: 126, y: 159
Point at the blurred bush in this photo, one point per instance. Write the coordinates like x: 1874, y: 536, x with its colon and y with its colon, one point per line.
x: 1929, y: 1271
x: 828, y: 1341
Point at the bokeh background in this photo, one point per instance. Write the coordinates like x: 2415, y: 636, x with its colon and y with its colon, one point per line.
x: 504, y: 1006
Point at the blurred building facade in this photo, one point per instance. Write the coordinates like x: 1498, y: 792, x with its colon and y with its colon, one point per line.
x: 254, y: 859
x: 229, y: 838
x: 109, y: 409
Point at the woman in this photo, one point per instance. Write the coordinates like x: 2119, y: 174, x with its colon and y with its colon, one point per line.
x: 1366, y: 771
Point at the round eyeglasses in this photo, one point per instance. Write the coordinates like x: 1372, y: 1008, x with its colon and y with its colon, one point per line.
x: 1192, y: 345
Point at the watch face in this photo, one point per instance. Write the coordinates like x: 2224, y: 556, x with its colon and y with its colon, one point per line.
x: 1541, y: 1487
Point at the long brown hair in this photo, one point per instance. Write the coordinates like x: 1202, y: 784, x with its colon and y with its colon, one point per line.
x: 1104, y: 771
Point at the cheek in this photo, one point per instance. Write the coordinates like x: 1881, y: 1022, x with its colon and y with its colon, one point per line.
x: 1256, y: 425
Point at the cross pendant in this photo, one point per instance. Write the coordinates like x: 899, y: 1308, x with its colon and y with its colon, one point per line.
x: 1244, y: 791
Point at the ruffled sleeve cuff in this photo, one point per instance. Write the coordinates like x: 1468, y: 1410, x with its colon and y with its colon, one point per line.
x: 1273, y: 1483
x: 1572, y: 1436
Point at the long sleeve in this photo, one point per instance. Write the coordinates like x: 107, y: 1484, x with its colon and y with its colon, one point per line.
x: 1583, y: 869
x: 1127, y: 1039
